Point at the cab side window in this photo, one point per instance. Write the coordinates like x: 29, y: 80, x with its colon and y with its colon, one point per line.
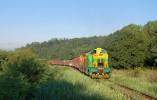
x: 93, y: 52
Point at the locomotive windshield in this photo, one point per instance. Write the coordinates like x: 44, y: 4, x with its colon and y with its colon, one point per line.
x: 104, y: 51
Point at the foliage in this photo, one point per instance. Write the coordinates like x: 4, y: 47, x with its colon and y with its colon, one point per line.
x: 20, y: 72
x: 65, y: 48
x: 13, y: 88
x: 3, y: 58
x: 137, y: 72
x: 128, y: 46
x: 150, y: 30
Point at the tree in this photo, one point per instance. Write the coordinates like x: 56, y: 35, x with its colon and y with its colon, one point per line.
x: 128, y: 50
x: 150, y: 30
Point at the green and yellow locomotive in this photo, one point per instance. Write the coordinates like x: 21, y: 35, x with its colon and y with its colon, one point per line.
x: 95, y: 63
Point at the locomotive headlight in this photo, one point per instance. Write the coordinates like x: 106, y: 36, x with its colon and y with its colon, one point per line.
x: 94, y: 64
x: 106, y: 65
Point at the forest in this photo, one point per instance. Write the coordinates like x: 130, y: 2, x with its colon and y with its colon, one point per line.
x: 130, y: 47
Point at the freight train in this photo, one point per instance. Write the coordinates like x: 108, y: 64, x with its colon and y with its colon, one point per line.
x: 93, y: 63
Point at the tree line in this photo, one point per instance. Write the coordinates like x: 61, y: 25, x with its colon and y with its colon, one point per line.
x: 130, y: 47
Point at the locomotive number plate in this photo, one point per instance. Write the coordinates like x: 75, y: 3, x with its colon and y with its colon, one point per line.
x: 101, y: 68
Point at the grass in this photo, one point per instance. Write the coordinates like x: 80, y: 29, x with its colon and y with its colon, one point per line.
x: 65, y: 83
x: 140, y: 82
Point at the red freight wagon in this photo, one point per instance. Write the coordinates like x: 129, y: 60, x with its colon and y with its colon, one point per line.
x: 55, y: 62
x: 75, y: 62
x: 67, y: 62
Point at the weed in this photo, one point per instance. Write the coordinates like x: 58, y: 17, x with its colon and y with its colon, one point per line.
x: 152, y: 77
x: 136, y: 83
x: 137, y: 72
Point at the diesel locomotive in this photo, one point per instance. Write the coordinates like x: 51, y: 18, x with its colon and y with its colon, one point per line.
x: 94, y: 63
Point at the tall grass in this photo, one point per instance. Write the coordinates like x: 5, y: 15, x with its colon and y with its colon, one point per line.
x: 137, y: 83
x: 65, y: 83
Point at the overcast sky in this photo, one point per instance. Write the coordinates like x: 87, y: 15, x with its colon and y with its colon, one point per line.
x: 26, y: 21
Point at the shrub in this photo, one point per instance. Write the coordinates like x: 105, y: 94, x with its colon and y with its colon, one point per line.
x: 137, y: 72
x: 13, y: 88
x: 21, y: 73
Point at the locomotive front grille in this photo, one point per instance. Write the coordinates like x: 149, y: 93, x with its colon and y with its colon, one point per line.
x: 100, y: 64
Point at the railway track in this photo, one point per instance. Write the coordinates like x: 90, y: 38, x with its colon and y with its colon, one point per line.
x: 130, y: 93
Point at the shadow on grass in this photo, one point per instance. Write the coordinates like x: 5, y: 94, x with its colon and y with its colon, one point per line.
x: 62, y: 90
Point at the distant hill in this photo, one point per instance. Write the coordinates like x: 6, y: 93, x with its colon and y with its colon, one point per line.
x: 132, y: 46
x: 66, y: 48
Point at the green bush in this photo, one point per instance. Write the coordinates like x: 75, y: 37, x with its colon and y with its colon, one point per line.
x: 13, y: 88
x: 137, y: 72
x: 21, y: 73
x: 29, y: 68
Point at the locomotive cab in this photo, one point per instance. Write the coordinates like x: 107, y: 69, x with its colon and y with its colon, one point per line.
x: 99, y: 58
x: 98, y: 62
